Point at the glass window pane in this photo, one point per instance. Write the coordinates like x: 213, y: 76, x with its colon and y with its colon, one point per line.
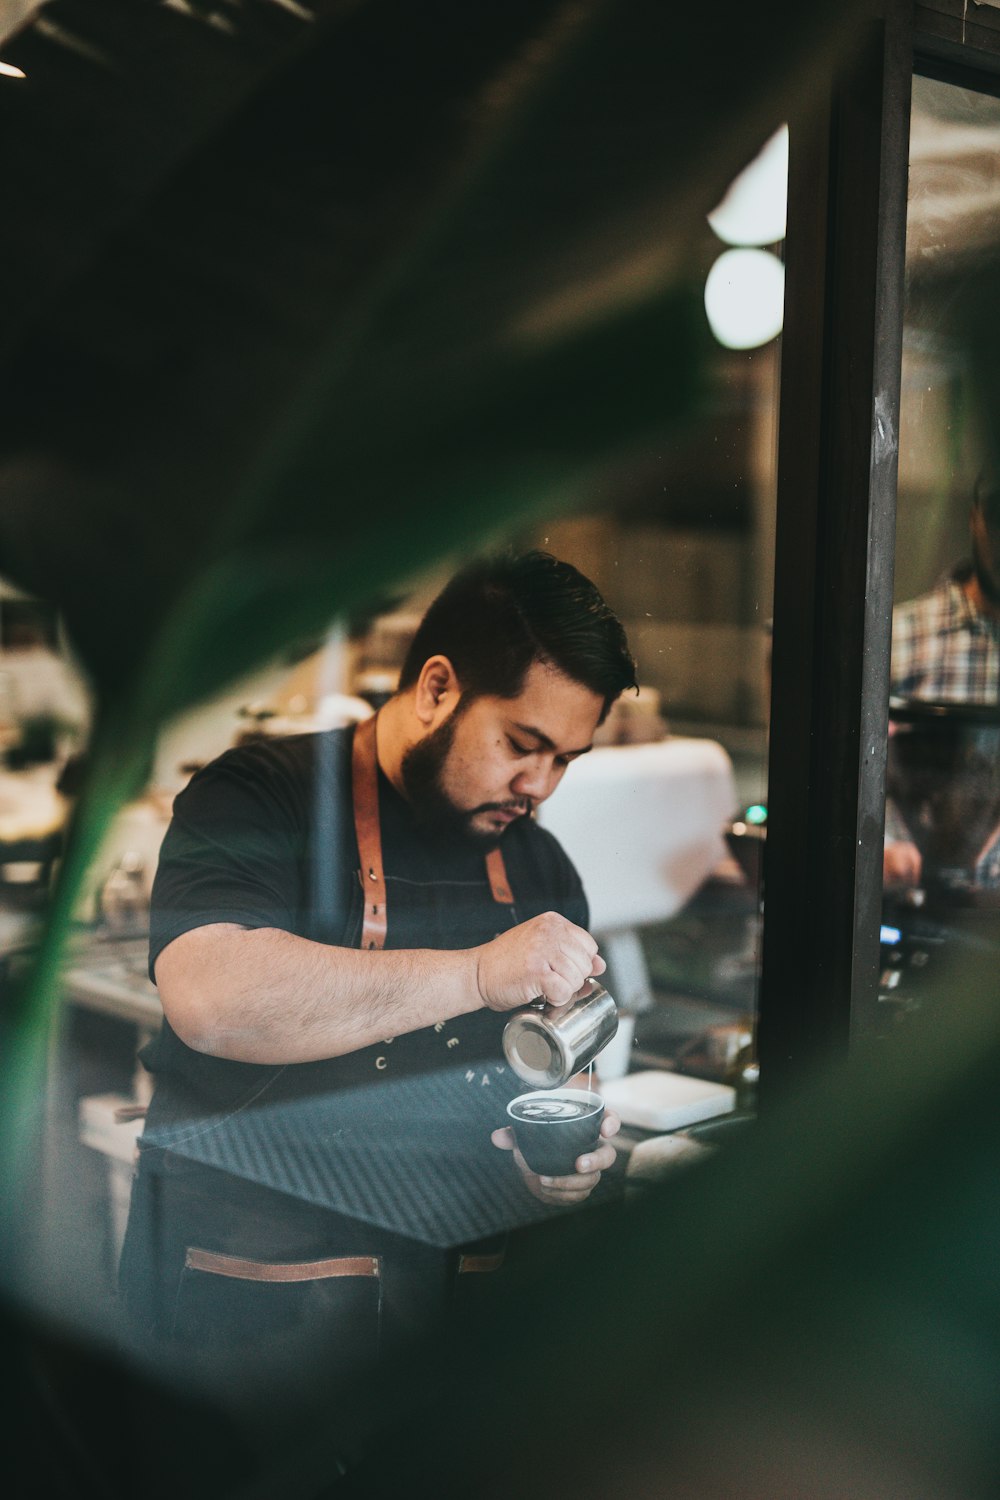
x: 942, y: 850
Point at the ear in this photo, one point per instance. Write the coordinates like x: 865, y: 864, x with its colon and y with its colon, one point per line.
x: 437, y: 691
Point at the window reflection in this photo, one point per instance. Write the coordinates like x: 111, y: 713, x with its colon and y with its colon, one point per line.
x: 942, y: 847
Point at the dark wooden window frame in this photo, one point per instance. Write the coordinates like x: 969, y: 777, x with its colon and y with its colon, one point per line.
x: 836, y: 492
x: 836, y: 502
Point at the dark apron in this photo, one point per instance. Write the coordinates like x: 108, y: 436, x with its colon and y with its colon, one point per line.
x: 235, y: 1280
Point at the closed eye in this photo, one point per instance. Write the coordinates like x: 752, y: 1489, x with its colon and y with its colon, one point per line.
x: 562, y: 761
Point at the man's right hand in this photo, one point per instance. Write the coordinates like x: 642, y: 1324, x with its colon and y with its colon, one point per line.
x: 548, y: 957
x: 901, y: 863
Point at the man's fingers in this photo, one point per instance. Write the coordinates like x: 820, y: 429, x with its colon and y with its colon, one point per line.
x: 610, y: 1125
x: 548, y: 956
x: 577, y: 961
x: 579, y: 1182
x: 557, y: 991
x: 596, y: 1161
x: 568, y: 1189
x: 503, y: 1138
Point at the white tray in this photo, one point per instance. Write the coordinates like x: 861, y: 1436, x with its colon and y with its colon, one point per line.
x: 656, y: 1100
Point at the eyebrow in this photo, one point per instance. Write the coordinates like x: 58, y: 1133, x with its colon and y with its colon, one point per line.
x: 546, y: 743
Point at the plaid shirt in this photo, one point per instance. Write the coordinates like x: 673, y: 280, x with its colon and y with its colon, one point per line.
x: 945, y: 650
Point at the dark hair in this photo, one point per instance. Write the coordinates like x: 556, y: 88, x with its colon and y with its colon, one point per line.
x: 501, y: 613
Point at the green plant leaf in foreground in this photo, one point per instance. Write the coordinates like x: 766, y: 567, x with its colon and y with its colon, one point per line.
x: 278, y: 415
x: 813, y: 1313
x: 402, y: 224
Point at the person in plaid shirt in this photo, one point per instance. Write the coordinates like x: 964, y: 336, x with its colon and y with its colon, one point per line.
x: 946, y: 649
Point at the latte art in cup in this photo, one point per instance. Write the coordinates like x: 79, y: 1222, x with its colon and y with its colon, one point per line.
x: 552, y: 1109
x: 553, y: 1128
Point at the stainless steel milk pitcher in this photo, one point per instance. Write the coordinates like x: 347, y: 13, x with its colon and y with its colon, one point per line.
x: 547, y: 1044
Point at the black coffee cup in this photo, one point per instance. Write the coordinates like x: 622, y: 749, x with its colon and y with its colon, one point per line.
x: 552, y: 1127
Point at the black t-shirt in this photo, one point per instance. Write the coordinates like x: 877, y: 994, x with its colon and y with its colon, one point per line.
x: 264, y: 837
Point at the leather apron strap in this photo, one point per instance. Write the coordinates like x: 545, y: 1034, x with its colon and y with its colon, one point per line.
x: 364, y: 787
x: 496, y: 872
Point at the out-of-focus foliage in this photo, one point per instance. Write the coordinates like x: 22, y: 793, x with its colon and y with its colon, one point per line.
x: 425, y: 270
x: 357, y: 288
x: 814, y: 1312
x: 371, y: 284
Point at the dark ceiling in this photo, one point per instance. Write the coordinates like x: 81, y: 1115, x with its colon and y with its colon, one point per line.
x: 284, y: 283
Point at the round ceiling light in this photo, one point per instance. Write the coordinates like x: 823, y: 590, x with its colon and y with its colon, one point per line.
x: 745, y: 298
x: 754, y: 209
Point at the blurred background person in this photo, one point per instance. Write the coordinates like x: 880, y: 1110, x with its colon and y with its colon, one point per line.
x: 946, y: 653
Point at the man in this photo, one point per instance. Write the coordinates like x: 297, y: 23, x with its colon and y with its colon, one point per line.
x: 351, y: 917
x: 946, y: 649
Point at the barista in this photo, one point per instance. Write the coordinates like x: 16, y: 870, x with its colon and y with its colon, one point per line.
x: 292, y: 967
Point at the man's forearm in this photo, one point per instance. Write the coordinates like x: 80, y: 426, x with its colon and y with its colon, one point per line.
x: 266, y: 996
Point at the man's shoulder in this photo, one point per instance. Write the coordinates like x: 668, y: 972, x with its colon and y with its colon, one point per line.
x: 291, y: 752
x: 280, y: 764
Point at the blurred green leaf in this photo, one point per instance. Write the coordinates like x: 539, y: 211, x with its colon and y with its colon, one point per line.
x: 427, y: 274
x: 812, y: 1312
x: 420, y: 278
x: 335, y: 310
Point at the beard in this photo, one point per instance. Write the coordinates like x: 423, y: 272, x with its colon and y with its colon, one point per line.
x: 437, y: 816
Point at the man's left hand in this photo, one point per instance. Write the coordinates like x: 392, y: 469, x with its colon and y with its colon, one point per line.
x: 581, y: 1183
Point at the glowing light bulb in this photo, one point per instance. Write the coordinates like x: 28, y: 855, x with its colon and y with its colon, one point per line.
x: 754, y: 208
x: 745, y: 298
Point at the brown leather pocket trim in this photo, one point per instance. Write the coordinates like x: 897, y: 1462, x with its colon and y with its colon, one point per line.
x: 126, y: 1113
x: 480, y: 1262
x: 267, y: 1270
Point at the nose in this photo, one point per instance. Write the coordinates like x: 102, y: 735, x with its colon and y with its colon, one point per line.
x: 535, y: 782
